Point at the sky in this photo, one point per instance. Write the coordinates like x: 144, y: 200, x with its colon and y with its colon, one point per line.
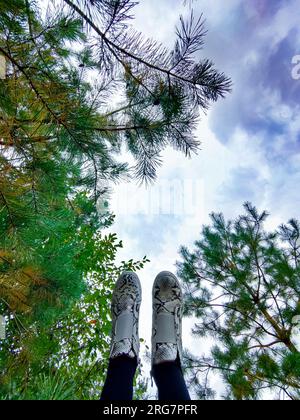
x: 250, y: 142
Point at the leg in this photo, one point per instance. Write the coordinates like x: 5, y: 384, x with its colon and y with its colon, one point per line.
x: 170, y: 382
x: 119, y: 379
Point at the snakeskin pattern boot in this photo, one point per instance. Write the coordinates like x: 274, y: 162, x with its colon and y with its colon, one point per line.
x: 167, y: 314
x: 125, y: 308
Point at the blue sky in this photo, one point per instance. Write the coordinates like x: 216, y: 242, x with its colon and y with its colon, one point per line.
x: 250, y: 147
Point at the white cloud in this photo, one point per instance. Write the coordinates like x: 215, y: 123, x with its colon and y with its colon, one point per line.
x: 278, y: 28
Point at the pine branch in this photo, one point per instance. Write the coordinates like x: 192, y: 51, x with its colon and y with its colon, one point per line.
x: 9, y: 212
x: 202, y: 69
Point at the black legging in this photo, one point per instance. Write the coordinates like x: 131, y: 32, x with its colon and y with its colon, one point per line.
x: 119, y: 380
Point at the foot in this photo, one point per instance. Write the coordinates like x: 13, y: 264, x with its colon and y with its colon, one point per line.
x: 125, y: 308
x: 167, y: 314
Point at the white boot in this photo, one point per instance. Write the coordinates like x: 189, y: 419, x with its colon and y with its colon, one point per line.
x: 167, y: 314
x: 125, y: 308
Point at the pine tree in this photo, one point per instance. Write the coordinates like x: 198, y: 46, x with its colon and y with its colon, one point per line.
x: 242, y: 284
x: 48, y: 155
